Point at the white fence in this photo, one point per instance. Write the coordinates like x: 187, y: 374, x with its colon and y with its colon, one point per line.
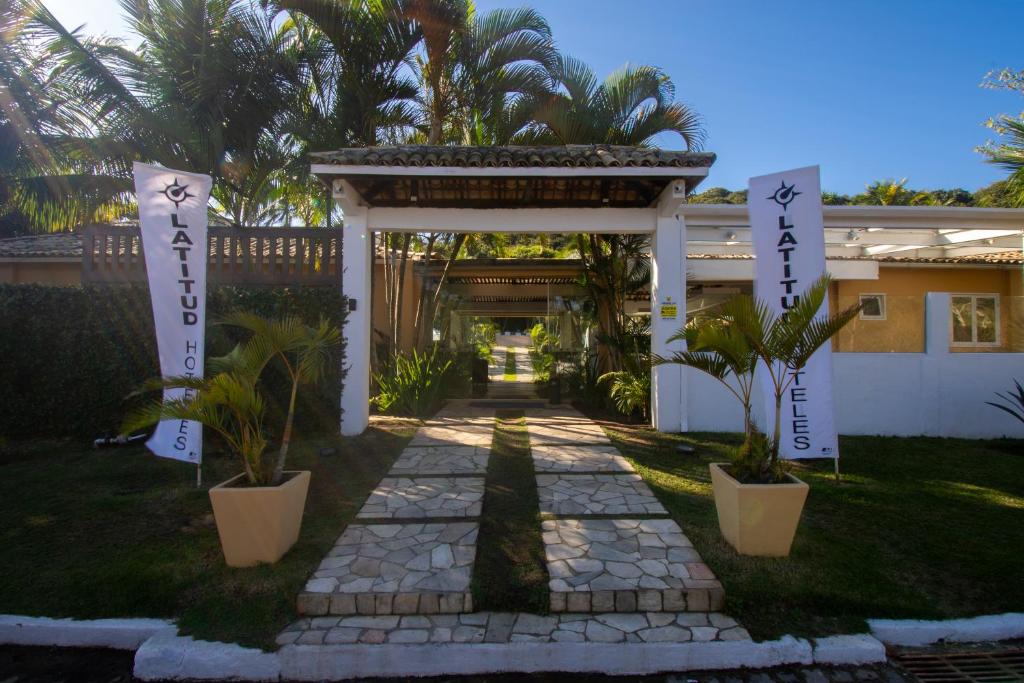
x: 936, y: 393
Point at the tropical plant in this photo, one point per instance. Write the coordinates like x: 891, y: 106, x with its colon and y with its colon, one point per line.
x: 231, y: 403
x: 542, y: 357
x: 1009, y: 151
x: 413, y: 384
x: 302, y: 350
x: 614, y: 266
x: 747, y: 333
x: 1012, y: 402
x: 631, y: 107
x: 631, y: 387
x: 719, y: 348
x: 208, y: 90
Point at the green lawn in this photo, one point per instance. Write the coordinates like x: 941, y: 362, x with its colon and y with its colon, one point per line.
x: 115, y: 533
x: 919, y: 528
x: 510, y: 365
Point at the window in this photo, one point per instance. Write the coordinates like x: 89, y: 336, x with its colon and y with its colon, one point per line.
x: 975, y: 319
x: 872, y: 306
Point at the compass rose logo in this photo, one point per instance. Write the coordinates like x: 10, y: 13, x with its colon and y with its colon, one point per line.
x: 784, y: 195
x: 176, y: 193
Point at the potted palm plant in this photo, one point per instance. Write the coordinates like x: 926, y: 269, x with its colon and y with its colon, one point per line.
x: 259, y: 511
x: 759, y: 502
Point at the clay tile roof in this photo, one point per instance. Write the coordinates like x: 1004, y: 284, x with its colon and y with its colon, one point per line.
x: 509, y: 156
x: 51, y: 245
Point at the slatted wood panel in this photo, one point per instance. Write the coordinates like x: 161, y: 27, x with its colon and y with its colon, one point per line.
x: 237, y: 256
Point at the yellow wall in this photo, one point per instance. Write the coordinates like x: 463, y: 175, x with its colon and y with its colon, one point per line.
x: 905, y: 288
x: 41, y: 272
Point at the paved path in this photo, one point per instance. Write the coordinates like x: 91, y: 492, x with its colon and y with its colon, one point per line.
x: 638, y: 560
x: 414, y: 544
x: 620, y: 570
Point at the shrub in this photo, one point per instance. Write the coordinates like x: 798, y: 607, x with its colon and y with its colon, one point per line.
x: 414, y: 384
x: 70, y: 355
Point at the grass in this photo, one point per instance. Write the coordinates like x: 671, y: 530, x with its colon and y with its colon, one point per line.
x: 120, y: 533
x: 510, y: 365
x: 510, y: 574
x: 922, y: 528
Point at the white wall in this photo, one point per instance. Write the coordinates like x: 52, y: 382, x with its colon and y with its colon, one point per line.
x: 898, y: 394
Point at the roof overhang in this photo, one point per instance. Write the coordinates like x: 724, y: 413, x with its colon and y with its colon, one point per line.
x: 518, y: 177
x: 872, y: 231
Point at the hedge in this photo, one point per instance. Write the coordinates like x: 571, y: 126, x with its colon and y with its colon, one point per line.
x: 70, y: 356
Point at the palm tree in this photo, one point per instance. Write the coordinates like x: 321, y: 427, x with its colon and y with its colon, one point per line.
x: 747, y: 333
x: 49, y: 179
x: 207, y: 91
x: 631, y: 107
x: 230, y: 402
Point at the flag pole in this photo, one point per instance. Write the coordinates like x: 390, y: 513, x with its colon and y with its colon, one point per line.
x: 837, y: 469
x: 199, y: 475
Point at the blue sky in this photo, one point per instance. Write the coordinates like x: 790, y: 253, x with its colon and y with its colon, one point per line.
x: 866, y: 89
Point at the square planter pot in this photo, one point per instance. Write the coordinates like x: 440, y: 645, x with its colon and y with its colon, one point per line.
x: 258, y: 523
x: 758, y: 519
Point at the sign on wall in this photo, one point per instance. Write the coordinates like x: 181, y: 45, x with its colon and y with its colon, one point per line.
x: 173, y: 223
x: 788, y: 235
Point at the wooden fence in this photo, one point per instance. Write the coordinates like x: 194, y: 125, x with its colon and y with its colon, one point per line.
x: 236, y: 256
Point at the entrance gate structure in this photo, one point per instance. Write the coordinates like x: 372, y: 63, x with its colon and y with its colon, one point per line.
x: 564, y: 189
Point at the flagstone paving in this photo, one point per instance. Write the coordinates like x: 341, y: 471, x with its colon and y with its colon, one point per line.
x: 602, y: 565
x: 505, y: 627
x: 573, y: 458
x: 441, y: 460
x: 403, y: 497
x: 596, y: 494
x: 396, y: 569
x: 626, y: 565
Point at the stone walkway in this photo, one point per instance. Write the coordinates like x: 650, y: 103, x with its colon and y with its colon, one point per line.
x: 504, y: 627
x: 631, y: 563
x: 413, y: 549
x: 620, y: 570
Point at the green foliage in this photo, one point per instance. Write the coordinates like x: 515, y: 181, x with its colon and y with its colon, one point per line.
x: 231, y: 401
x: 72, y: 354
x: 583, y: 377
x: 1008, y: 153
x: 414, y: 384
x: 542, y: 352
x: 1012, y: 402
x: 630, y: 390
x: 481, y: 338
x: 744, y: 332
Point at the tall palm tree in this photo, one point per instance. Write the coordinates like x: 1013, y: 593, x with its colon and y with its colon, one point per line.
x: 631, y: 107
x: 48, y: 176
x: 207, y: 91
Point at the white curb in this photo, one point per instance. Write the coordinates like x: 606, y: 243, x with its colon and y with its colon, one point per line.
x: 848, y: 650
x: 916, y: 633
x: 168, y: 657
x: 340, y: 662
x: 118, y: 634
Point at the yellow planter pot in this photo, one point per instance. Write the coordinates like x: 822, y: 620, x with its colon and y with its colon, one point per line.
x: 758, y: 519
x: 258, y: 523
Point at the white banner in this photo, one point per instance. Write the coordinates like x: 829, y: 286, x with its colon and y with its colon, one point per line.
x: 788, y: 235
x: 172, y: 216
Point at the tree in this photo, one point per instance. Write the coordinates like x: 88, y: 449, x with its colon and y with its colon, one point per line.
x: 1008, y: 153
x: 207, y: 91
x: 631, y: 107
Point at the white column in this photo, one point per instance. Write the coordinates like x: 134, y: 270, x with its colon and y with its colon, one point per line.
x: 668, y: 287
x: 355, y: 284
x: 937, y: 311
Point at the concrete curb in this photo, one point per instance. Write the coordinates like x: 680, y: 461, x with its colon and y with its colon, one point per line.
x: 341, y: 662
x: 848, y: 650
x: 167, y: 656
x: 117, y: 634
x: 917, y: 633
